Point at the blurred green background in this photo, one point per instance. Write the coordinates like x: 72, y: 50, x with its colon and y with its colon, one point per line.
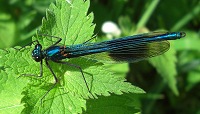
x: 19, y: 20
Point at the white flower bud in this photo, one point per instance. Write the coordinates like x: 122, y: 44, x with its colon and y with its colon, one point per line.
x: 110, y: 29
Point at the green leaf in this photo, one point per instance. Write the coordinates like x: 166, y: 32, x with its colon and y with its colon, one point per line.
x: 11, y: 86
x: 115, y: 104
x: 119, y: 69
x: 7, y: 26
x: 166, y: 67
x: 193, y: 78
x: 190, y: 42
x: 71, y: 22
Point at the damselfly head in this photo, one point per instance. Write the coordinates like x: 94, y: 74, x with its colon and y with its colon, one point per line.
x: 37, y: 54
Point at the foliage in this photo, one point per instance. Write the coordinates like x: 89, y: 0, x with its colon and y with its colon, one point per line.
x: 171, y: 81
x: 70, y: 21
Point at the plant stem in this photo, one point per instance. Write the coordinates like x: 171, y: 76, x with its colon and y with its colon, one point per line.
x: 147, y: 14
x: 187, y: 18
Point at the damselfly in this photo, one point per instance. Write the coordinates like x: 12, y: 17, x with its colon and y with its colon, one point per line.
x: 127, y: 49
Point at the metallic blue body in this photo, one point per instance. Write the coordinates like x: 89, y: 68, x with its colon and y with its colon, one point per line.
x: 126, y: 49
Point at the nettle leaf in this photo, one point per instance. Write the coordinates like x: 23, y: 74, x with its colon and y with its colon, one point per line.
x: 11, y: 87
x: 70, y: 21
x: 166, y: 67
x: 115, y: 104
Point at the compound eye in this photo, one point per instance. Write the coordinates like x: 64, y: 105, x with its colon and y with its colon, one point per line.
x: 37, y: 53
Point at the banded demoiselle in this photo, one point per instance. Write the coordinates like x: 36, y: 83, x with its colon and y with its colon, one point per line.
x: 127, y: 49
